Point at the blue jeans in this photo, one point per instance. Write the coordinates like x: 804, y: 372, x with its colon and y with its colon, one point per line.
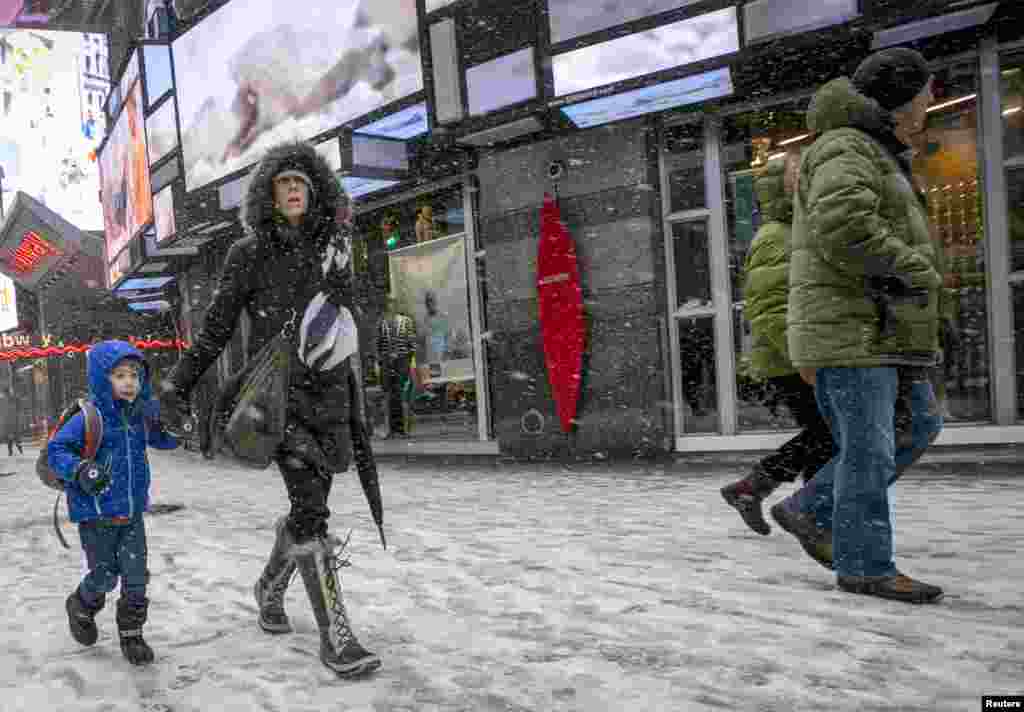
x: 114, y: 551
x: 850, y: 494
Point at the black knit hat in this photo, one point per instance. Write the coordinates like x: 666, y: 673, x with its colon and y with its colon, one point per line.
x: 892, y: 77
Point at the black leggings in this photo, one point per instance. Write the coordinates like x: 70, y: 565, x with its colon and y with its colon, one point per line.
x: 812, y: 447
x: 308, y: 489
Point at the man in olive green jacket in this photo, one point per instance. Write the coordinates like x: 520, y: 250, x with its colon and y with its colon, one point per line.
x: 766, y: 295
x: 864, y: 302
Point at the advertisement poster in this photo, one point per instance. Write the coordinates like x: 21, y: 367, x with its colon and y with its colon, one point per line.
x: 256, y: 73
x: 161, y: 132
x: 124, y: 177
x: 430, y: 284
x: 8, y: 304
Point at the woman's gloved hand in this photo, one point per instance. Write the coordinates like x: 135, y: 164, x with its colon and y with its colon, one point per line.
x: 92, y: 478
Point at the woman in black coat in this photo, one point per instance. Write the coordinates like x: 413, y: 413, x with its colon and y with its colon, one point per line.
x: 292, y: 267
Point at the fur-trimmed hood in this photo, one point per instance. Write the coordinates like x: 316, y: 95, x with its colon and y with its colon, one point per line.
x: 258, y: 213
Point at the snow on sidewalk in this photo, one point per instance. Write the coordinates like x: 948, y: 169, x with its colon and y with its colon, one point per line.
x: 511, y: 587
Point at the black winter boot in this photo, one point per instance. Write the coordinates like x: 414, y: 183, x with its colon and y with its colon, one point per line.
x: 82, y: 618
x: 816, y: 542
x: 130, y: 619
x: 273, y: 583
x: 339, y: 649
x: 748, y: 494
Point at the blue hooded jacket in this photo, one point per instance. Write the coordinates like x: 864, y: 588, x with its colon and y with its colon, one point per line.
x: 127, y: 429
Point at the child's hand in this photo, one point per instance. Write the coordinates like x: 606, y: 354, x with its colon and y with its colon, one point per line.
x: 92, y: 478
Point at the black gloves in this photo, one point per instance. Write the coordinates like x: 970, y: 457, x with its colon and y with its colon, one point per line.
x: 91, y: 478
x: 175, y: 410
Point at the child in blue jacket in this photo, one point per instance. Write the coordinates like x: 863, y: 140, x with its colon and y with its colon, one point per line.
x: 107, y: 496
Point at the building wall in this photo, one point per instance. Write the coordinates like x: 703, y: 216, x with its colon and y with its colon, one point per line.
x: 611, y: 212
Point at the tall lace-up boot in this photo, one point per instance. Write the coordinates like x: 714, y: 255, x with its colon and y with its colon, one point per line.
x: 273, y: 583
x: 339, y: 649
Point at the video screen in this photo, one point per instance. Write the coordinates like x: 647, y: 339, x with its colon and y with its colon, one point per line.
x: 163, y: 210
x: 256, y: 73
x: 501, y: 82
x: 131, y: 74
x: 404, y: 124
x: 142, y: 283
x: 162, y: 131
x: 358, y: 187
x: 667, y: 95
x: 158, y: 305
x: 124, y: 176
x: 159, y: 79
x: 574, y: 18
x: 376, y: 152
x: 703, y: 37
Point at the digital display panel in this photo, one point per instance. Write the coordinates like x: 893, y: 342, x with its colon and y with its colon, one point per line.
x: 574, y: 18
x: 142, y: 283
x: 162, y: 131
x: 404, y: 124
x: 158, y: 305
x: 330, y: 151
x: 501, y: 82
x: 375, y: 152
x: 667, y: 95
x: 163, y: 210
x: 159, y: 79
x: 124, y: 177
x: 131, y: 74
x: 256, y: 73
x: 358, y: 187
x: 680, y: 43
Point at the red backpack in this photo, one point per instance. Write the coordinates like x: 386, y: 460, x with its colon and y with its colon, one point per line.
x: 93, y: 438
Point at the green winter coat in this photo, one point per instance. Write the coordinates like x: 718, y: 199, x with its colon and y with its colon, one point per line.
x: 766, y: 292
x: 857, y: 215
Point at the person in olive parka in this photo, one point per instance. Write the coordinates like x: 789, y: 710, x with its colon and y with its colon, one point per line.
x: 860, y: 232
x: 293, y: 267
x: 766, y: 295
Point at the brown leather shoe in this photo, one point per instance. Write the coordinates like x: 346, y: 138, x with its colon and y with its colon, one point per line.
x: 895, y: 588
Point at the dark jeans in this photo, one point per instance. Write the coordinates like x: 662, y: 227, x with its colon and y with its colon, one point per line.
x: 114, y: 551
x: 813, y: 446
x: 308, y: 490
x: 395, y: 373
x: 850, y: 495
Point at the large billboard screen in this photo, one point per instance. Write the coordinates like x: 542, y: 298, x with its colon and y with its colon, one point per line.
x: 162, y: 131
x: 574, y: 18
x: 667, y: 95
x: 124, y: 176
x: 159, y: 80
x: 501, y: 82
x: 257, y: 72
x: 680, y: 43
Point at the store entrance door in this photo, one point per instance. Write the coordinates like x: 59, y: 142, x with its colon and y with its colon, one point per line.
x: 700, y: 303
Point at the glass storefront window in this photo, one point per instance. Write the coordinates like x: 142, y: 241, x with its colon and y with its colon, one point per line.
x: 698, y: 377
x: 413, y: 251
x: 693, y: 263
x: 684, y: 163
x: 1013, y: 151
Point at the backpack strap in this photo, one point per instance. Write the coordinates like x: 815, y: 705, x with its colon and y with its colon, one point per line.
x: 93, y: 428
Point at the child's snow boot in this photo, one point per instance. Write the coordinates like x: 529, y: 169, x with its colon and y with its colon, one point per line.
x: 339, y: 649
x: 748, y: 494
x: 131, y: 617
x: 82, y: 617
x: 273, y: 583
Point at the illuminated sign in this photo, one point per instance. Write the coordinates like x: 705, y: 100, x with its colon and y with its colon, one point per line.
x: 31, y: 252
x: 61, y: 349
x: 404, y: 124
x: 8, y: 304
x: 668, y: 95
x: 358, y: 187
x: 157, y: 305
x: 134, y: 285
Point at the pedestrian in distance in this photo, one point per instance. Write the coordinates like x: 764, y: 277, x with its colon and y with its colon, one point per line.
x: 9, y: 422
x: 860, y: 233
x: 291, y: 273
x: 766, y: 296
x: 108, y: 495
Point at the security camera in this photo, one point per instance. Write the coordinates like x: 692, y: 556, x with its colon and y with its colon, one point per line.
x: 556, y: 169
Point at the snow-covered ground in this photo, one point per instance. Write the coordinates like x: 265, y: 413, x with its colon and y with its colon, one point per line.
x: 510, y: 587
